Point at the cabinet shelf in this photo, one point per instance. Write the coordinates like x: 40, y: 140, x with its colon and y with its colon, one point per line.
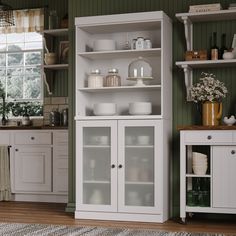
x: 121, y: 54
x: 138, y: 183
x: 147, y: 117
x: 120, y: 89
x: 197, y: 176
x: 96, y: 182
x: 139, y: 146
x: 96, y: 146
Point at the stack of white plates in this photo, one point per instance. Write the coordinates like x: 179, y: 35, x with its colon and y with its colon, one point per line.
x: 199, y: 163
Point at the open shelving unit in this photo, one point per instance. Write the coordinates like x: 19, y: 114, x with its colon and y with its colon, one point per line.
x: 188, y: 19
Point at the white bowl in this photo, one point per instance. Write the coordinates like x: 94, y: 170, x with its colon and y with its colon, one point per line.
x: 199, y: 170
x: 140, y: 108
x: 104, y: 109
x: 104, y: 45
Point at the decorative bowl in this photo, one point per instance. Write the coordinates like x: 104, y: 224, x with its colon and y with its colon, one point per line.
x: 104, y: 109
x: 104, y: 45
x: 140, y: 108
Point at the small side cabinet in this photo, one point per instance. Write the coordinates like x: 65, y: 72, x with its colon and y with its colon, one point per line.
x: 215, y: 190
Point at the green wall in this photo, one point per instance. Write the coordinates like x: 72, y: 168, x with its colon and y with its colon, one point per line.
x: 184, y: 113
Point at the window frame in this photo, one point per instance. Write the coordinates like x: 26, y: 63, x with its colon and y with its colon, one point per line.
x: 7, y: 52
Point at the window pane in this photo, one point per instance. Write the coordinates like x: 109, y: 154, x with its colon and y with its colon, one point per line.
x: 3, y: 47
x: 3, y: 38
x: 34, y: 45
x: 3, y: 82
x: 15, y: 87
x: 33, y: 70
x: 2, y: 71
x: 15, y: 59
x: 16, y: 47
x: 15, y: 37
x: 32, y: 86
x: 2, y: 59
x: 33, y: 37
x: 14, y: 71
x: 32, y: 58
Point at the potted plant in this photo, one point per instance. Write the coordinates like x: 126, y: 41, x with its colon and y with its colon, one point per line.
x: 209, y: 92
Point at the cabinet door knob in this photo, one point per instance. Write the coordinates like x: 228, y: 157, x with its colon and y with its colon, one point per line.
x: 209, y: 137
x: 120, y: 166
x: 233, y: 152
x: 32, y: 138
x: 113, y: 166
x: 16, y: 150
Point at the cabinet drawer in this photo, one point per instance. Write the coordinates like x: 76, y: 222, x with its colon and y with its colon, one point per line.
x: 208, y: 137
x: 33, y: 138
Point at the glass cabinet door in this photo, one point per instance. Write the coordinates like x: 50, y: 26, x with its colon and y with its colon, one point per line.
x: 97, y: 165
x: 138, y: 164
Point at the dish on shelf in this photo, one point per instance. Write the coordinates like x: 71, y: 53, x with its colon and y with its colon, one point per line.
x: 104, y: 45
x: 104, y: 109
x: 140, y: 108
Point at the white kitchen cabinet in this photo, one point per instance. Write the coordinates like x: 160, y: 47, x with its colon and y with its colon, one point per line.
x: 33, y: 169
x: 39, y: 165
x: 110, y: 179
x: 217, y: 185
x: 120, y: 170
x: 116, y: 180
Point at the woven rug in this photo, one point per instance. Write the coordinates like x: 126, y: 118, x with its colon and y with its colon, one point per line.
x: 15, y: 229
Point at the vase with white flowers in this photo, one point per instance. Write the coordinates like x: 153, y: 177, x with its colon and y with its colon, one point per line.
x: 209, y: 92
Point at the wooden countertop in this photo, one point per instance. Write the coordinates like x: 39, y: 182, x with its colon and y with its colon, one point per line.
x: 201, y: 127
x: 21, y: 127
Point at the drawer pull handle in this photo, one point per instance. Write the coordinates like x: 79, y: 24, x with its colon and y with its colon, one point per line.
x: 233, y: 152
x: 32, y: 138
x: 16, y: 150
x: 120, y: 166
x: 209, y: 137
x: 113, y: 166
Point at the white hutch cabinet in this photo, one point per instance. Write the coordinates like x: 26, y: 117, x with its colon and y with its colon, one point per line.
x: 122, y: 161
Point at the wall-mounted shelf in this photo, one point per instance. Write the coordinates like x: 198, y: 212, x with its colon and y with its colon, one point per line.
x: 56, y: 32
x: 188, y: 19
x: 56, y: 67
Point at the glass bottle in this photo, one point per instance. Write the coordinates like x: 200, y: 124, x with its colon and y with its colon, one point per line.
x: 113, y: 79
x: 214, y: 48
x: 223, y: 48
x: 53, y: 20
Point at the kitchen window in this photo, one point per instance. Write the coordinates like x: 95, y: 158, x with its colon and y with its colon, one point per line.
x: 20, y: 66
x: 21, y: 50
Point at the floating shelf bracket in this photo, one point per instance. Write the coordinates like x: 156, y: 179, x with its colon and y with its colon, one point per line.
x: 188, y: 30
x: 188, y: 79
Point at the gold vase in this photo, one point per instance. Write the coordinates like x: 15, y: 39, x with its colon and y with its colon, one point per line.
x: 211, y: 113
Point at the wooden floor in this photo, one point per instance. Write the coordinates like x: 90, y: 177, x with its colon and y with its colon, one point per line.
x: 51, y: 213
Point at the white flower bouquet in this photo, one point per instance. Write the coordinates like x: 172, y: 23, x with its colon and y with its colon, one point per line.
x: 208, y: 89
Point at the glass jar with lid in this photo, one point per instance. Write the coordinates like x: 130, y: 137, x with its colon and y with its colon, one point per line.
x: 95, y: 79
x: 113, y: 79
